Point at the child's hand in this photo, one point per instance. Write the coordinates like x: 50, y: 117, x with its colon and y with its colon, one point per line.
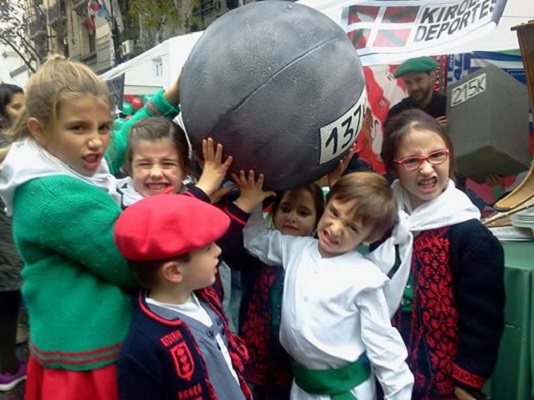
x: 334, y: 175
x: 252, y: 192
x: 213, y: 169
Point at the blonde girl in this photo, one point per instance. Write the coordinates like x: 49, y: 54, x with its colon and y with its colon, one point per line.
x: 56, y: 184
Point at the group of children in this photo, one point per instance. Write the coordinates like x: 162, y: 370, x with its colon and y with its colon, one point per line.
x: 120, y: 276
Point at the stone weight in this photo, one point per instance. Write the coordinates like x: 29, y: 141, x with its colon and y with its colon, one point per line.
x: 280, y: 86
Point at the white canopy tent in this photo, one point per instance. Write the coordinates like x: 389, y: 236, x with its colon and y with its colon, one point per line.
x: 159, y: 66
x: 155, y: 68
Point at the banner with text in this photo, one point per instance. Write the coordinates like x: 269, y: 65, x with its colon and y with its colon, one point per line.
x: 386, y: 31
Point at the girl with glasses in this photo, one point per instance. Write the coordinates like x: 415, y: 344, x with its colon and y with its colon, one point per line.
x: 452, y: 311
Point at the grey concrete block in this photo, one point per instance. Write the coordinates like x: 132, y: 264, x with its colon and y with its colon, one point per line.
x: 487, y: 114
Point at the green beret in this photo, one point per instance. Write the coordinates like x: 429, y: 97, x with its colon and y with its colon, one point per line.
x: 419, y: 64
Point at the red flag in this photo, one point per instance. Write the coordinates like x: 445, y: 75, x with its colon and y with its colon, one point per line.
x: 92, y: 8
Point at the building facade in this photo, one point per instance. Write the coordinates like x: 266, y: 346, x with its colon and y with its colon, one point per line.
x: 101, y: 33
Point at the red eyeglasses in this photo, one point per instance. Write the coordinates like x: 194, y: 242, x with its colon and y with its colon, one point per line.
x: 414, y: 162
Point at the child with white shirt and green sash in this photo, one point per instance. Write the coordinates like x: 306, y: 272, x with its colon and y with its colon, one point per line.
x: 335, y: 315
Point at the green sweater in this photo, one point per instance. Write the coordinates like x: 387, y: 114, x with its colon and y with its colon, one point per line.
x: 73, y: 274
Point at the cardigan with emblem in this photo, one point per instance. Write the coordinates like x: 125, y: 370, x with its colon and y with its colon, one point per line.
x: 161, y: 359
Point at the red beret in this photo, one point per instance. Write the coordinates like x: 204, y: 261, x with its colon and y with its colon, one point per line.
x: 167, y: 225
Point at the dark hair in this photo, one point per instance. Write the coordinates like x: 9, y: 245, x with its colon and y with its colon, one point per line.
x: 374, y: 201
x: 7, y: 91
x: 317, y: 196
x: 153, y: 129
x: 146, y: 272
x: 400, y: 126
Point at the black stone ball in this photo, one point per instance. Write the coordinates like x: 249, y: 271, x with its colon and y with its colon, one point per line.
x: 280, y: 85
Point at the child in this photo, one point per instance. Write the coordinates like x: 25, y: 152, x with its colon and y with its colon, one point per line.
x: 452, y: 314
x: 157, y: 159
x: 12, y: 370
x: 296, y: 213
x: 179, y: 345
x: 64, y: 202
x: 334, y: 315
x: 156, y: 154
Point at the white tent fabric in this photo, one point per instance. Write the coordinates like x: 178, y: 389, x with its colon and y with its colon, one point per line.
x: 155, y: 68
x: 159, y: 66
x: 516, y: 12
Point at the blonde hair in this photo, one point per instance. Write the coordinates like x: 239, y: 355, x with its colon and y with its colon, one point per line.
x: 374, y: 201
x: 56, y: 81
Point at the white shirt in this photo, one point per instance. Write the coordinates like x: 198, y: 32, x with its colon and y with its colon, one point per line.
x: 334, y: 309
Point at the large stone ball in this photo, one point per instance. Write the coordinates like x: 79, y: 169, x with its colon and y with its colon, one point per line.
x: 280, y: 86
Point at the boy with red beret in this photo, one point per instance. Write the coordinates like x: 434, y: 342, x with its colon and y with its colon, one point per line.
x: 179, y: 345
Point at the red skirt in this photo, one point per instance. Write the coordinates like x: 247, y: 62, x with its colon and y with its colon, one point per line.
x: 59, y: 384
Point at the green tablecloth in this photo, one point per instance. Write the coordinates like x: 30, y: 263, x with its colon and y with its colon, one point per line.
x: 513, y: 378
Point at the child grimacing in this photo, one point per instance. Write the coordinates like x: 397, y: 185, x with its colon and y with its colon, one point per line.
x: 156, y: 154
x: 156, y: 160
x: 335, y: 317
x: 179, y: 344
x: 455, y: 286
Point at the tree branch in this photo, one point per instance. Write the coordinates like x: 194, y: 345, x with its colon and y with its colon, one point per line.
x: 24, y: 58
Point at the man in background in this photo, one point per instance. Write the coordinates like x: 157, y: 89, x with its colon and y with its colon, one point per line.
x: 419, y: 77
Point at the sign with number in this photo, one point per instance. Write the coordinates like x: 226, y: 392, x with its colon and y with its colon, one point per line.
x: 338, y: 136
x: 468, y: 90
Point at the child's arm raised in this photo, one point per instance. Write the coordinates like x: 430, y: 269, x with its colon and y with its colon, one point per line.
x: 252, y: 193
x: 334, y: 175
x: 251, y: 196
x: 163, y: 103
x: 268, y: 245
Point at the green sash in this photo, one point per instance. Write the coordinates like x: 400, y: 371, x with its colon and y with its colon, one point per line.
x: 338, y: 383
